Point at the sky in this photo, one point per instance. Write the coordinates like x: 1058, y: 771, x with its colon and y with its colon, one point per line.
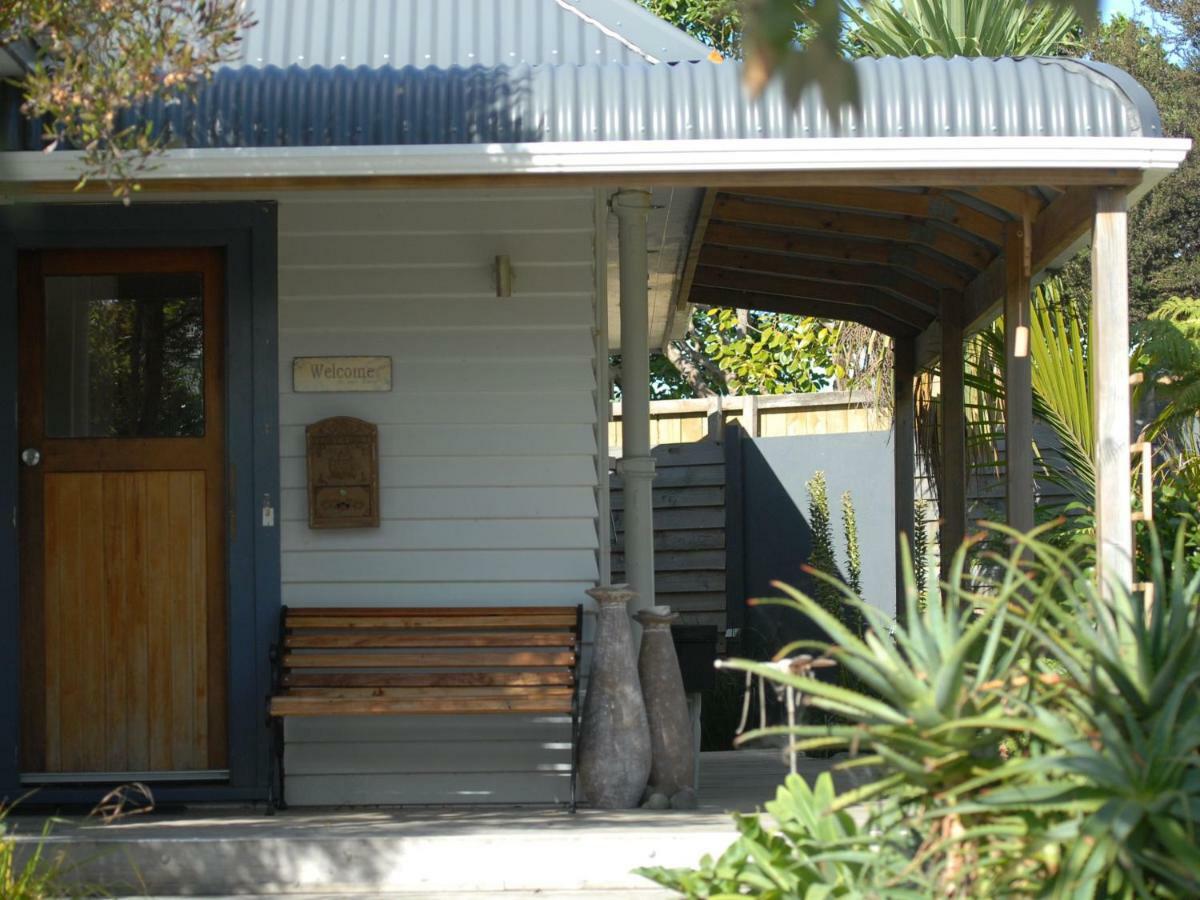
x: 1124, y: 7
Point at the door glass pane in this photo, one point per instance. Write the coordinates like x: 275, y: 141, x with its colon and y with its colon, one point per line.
x: 125, y: 355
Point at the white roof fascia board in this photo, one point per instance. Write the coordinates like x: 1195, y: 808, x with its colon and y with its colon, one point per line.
x: 633, y: 158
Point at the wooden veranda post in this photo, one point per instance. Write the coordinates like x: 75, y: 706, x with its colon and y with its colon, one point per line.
x: 904, y: 453
x: 1110, y: 386
x: 1018, y: 378
x: 954, y: 431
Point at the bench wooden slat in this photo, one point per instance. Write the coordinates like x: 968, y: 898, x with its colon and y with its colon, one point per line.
x: 466, y: 660
x: 299, y: 612
x: 449, y: 680
x: 545, y: 620
x: 383, y: 640
x: 449, y: 694
x: 367, y: 661
x: 337, y: 706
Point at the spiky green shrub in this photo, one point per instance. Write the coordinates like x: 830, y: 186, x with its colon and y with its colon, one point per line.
x: 822, y: 557
x: 921, y: 551
x: 1038, y: 736
x: 853, y: 550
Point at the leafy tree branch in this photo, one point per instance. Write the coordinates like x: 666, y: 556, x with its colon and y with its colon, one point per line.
x: 94, y: 60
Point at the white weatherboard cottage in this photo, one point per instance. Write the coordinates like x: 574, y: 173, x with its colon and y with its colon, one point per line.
x: 494, y: 197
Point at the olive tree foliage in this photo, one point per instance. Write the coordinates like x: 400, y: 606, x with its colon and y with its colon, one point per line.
x: 92, y: 60
x: 727, y: 351
x: 717, y: 23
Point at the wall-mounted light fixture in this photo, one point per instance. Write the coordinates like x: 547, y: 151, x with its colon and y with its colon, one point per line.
x: 504, y: 276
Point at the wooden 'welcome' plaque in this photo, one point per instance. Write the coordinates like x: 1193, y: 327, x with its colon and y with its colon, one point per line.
x: 343, y: 473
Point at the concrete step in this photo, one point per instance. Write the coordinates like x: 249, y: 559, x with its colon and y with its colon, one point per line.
x: 516, y: 853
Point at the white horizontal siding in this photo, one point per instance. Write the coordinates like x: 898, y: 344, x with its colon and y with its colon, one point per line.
x: 473, y: 471
x: 382, y: 313
x: 460, y: 439
x: 442, y: 347
x: 488, y: 456
x: 482, y: 409
x: 446, y: 566
x: 466, y: 503
x: 432, y: 593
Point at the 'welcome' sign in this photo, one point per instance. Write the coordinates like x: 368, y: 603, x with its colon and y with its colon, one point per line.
x: 341, y: 373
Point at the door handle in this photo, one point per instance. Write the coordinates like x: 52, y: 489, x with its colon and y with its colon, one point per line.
x: 31, y: 456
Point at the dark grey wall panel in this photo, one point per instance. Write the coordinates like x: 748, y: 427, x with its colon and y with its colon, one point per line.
x: 777, y: 534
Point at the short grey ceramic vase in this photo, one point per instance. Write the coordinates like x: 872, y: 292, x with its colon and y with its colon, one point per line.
x: 672, y: 754
x: 614, y: 743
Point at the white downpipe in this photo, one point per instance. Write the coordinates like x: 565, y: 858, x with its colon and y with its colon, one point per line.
x: 637, y: 465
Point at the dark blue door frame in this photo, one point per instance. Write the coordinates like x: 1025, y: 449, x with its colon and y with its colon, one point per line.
x: 247, y: 234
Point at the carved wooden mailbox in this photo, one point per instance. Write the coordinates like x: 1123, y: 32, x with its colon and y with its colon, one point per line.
x: 343, y: 473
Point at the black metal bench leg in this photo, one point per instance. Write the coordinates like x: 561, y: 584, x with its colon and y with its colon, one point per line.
x: 574, y: 759
x: 280, y: 802
x: 575, y: 710
x: 275, y: 799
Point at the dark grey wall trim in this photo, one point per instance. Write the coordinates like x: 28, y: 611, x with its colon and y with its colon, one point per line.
x: 247, y: 233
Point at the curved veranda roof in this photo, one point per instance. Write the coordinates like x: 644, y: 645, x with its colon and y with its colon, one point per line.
x: 846, y: 216
x: 899, y: 98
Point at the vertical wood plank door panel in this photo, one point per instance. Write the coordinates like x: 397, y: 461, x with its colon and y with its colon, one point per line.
x: 122, y: 517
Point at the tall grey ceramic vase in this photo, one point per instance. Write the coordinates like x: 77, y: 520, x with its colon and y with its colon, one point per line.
x: 614, y: 744
x: 672, y: 752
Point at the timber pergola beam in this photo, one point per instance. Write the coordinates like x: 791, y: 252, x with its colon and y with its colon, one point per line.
x: 903, y: 314
x: 1053, y: 230
x: 933, y: 271
x: 823, y: 309
x: 924, y: 234
x: 934, y: 205
x: 916, y: 293
x: 1012, y: 200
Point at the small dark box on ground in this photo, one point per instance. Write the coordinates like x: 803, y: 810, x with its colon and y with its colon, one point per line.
x: 696, y: 647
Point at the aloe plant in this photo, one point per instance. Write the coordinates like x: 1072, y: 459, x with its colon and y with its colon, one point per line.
x: 1036, y: 736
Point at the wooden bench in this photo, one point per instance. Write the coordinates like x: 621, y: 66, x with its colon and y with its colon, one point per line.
x: 332, y: 661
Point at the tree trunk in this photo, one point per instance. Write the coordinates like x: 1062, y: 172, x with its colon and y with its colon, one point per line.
x: 690, y: 371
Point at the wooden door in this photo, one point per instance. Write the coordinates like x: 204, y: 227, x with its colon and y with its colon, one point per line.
x: 122, y: 504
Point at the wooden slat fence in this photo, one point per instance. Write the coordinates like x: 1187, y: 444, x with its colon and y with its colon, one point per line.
x: 689, y: 530
x: 825, y: 412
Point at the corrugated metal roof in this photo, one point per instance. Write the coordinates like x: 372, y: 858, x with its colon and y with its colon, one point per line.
x: 1031, y: 97
x: 447, y: 33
